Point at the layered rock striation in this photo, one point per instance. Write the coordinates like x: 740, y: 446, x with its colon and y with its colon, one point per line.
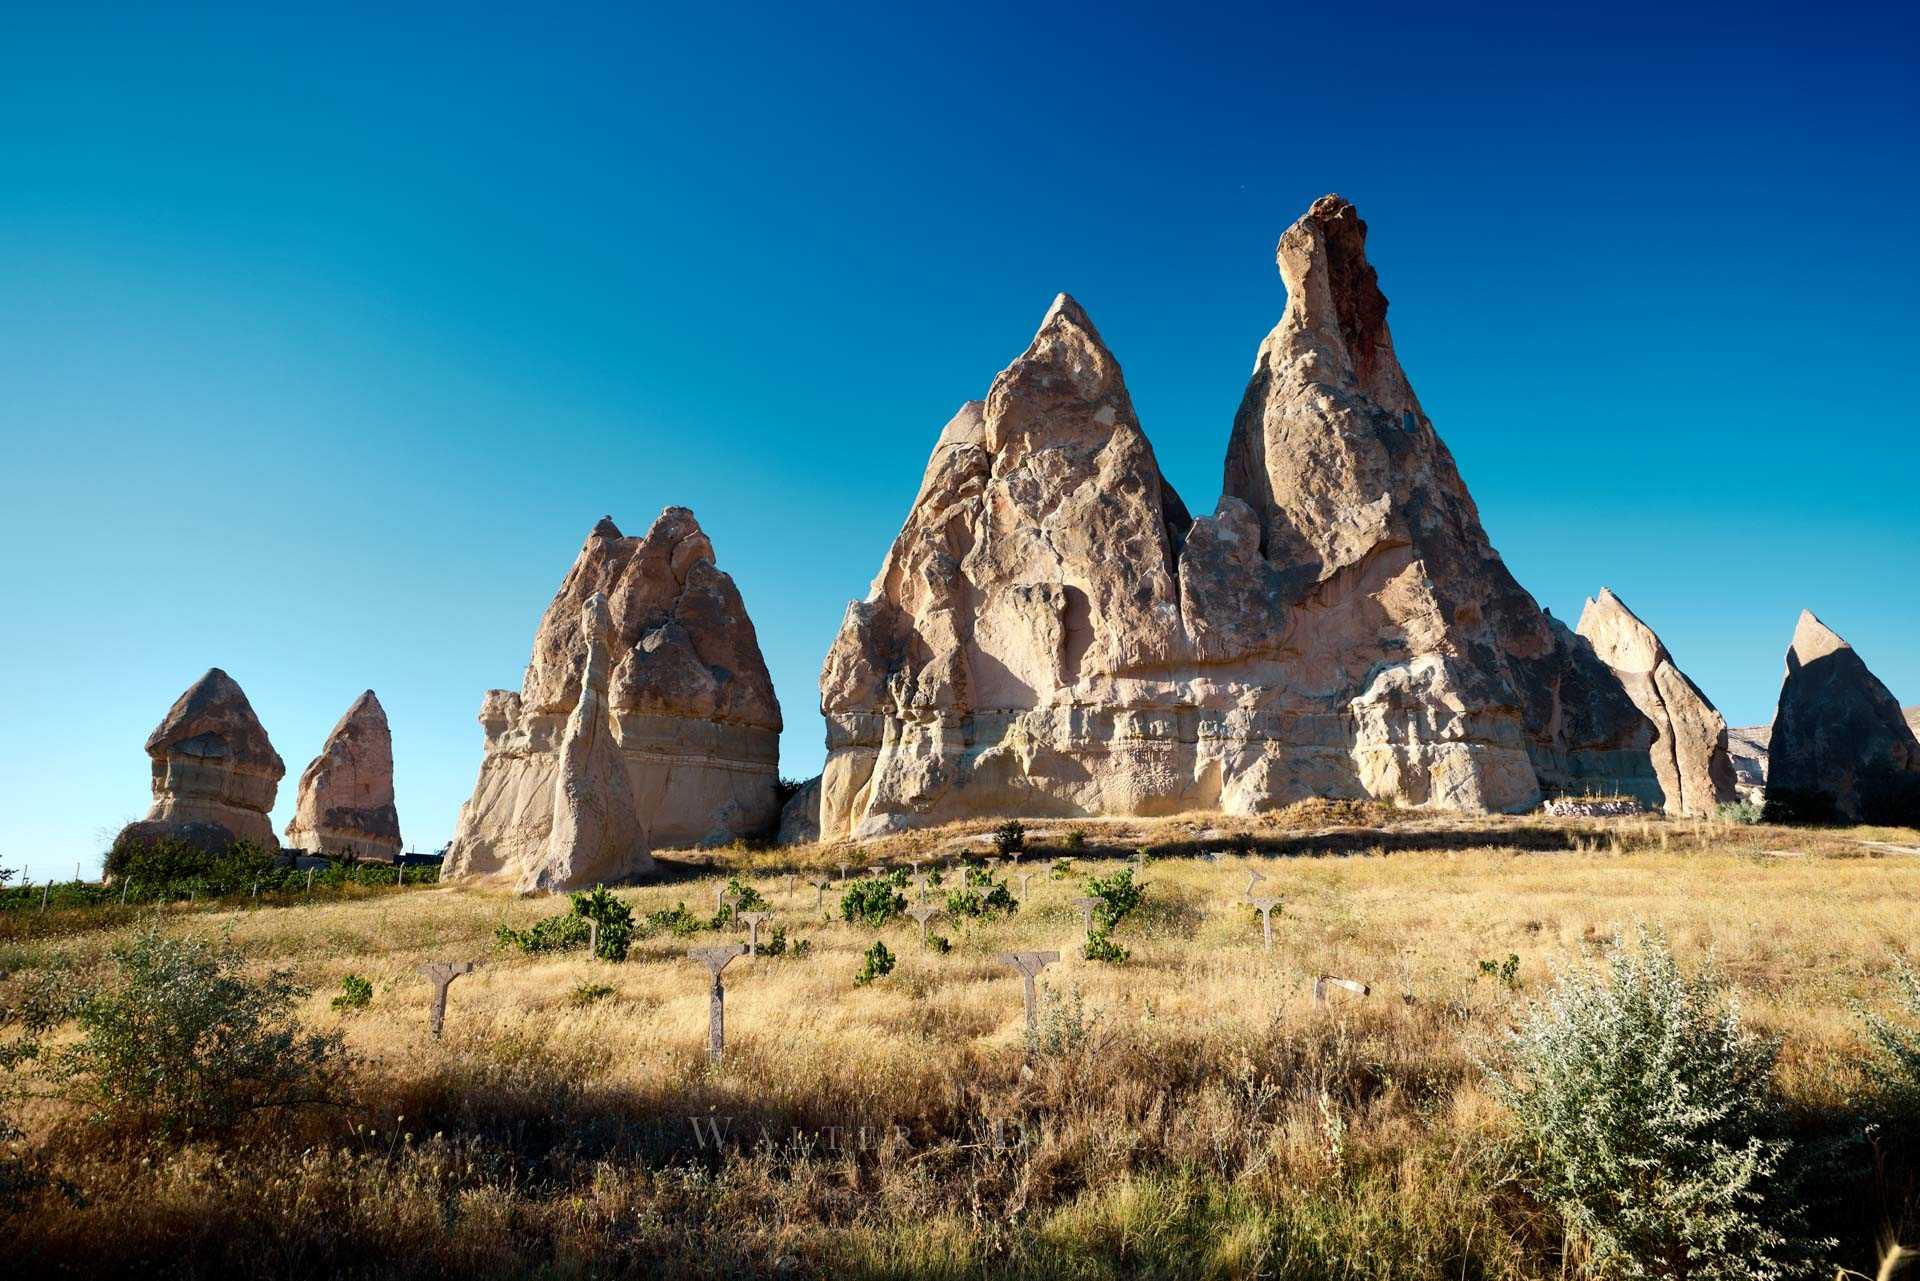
x: 215, y: 773
x: 1052, y: 633
x: 345, y: 804
x: 1841, y: 747
x: 1690, y: 746
x: 691, y: 708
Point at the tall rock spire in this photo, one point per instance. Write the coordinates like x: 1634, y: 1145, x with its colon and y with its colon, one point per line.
x: 1036, y: 566
x: 1475, y: 697
x: 690, y: 710
x: 1841, y: 748
x: 345, y: 804
x: 1689, y: 750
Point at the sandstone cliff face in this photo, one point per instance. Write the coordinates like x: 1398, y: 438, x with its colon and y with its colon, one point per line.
x: 1841, y: 747
x: 1690, y: 754
x: 597, y: 833
x: 1052, y: 633
x: 693, y: 712
x: 345, y: 805
x: 215, y: 773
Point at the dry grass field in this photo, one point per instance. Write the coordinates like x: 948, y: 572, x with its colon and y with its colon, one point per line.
x: 1191, y: 1112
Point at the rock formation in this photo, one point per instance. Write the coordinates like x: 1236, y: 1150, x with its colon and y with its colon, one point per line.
x: 1690, y: 755
x: 1912, y: 715
x: 215, y: 773
x: 800, y: 816
x: 1052, y: 633
x: 1747, y: 746
x: 693, y: 711
x: 597, y: 832
x: 345, y: 804
x: 1841, y: 748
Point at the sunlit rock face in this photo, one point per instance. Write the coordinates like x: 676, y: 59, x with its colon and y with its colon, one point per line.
x: 1690, y: 746
x: 1841, y: 746
x: 692, y: 709
x: 215, y: 773
x: 345, y: 804
x: 1053, y: 634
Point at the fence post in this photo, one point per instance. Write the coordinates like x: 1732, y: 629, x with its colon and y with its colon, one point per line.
x: 441, y: 975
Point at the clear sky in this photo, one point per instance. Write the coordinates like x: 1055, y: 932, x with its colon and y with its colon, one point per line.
x: 325, y: 337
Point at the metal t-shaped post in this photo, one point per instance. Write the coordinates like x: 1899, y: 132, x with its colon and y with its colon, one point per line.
x: 1030, y: 964
x: 716, y: 959
x: 442, y: 974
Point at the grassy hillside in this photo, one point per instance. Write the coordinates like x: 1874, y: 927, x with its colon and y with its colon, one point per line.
x: 1189, y: 1112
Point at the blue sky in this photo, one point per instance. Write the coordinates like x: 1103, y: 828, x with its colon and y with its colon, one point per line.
x: 327, y: 336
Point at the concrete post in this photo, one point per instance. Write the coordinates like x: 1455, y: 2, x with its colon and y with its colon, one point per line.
x: 716, y: 959
x: 753, y: 920
x: 1266, y: 906
x: 442, y: 974
x: 1030, y: 964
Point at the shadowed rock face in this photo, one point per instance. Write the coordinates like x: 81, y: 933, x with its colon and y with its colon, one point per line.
x: 1052, y: 633
x: 345, y: 806
x: 1841, y: 747
x: 692, y: 708
x: 215, y: 773
x: 1690, y: 755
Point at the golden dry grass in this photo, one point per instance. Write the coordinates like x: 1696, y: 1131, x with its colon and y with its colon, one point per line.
x: 1204, y: 1117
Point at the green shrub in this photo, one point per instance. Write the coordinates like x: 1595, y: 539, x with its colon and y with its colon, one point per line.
x: 1745, y: 813
x: 1101, y: 947
x: 589, y: 993
x: 573, y: 928
x: 1648, y: 1119
x: 614, y: 917
x: 939, y: 944
x: 980, y: 896
x: 356, y: 993
x: 1119, y: 894
x: 1075, y: 842
x: 1241, y: 843
x: 675, y: 920
x: 874, y: 900
x: 876, y: 963
x: 1010, y: 837
x: 180, y: 1038
x: 1062, y: 870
